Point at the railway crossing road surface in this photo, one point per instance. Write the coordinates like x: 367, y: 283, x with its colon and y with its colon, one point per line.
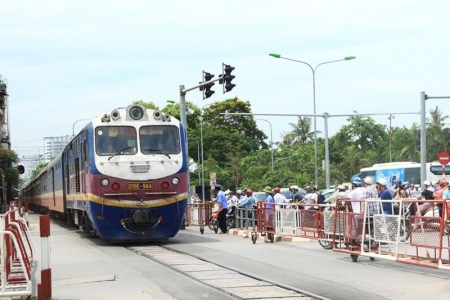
x: 85, y: 267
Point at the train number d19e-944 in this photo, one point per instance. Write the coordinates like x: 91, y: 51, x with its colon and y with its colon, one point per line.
x: 123, y: 177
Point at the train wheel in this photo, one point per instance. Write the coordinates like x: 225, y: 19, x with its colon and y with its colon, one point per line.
x: 354, y: 257
x: 271, y: 237
x: 254, y: 237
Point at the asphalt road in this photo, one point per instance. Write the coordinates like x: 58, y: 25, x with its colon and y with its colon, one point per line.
x: 85, y: 267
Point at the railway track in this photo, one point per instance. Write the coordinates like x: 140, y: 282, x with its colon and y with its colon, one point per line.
x: 234, y: 283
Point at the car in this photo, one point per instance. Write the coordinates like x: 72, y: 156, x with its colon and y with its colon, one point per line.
x: 259, y: 196
x: 327, y: 193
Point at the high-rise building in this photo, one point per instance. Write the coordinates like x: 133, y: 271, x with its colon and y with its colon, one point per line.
x: 4, y: 130
x: 54, y: 145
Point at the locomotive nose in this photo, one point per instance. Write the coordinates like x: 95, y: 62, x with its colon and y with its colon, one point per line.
x: 140, y: 216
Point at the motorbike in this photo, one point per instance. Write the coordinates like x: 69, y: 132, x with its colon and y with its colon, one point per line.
x: 231, y: 217
x: 213, y: 224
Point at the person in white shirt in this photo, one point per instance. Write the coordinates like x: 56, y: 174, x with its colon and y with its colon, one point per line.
x: 310, y: 198
x: 357, y: 195
x: 279, y: 197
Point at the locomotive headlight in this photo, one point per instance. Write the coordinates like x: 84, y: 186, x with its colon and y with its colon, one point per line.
x: 175, y: 180
x: 105, y: 182
x: 136, y: 113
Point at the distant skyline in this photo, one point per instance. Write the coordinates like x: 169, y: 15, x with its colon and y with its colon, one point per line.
x: 71, y: 60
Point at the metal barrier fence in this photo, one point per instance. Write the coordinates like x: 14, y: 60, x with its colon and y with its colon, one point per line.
x: 416, y: 232
x: 16, y: 254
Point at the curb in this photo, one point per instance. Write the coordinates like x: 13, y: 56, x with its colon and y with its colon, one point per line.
x: 246, y: 233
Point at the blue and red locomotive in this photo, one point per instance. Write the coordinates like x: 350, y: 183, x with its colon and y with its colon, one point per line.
x: 123, y: 177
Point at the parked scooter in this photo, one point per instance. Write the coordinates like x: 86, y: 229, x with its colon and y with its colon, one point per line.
x: 231, y: 217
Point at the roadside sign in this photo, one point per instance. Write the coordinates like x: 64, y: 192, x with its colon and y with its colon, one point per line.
x: 444, y: 158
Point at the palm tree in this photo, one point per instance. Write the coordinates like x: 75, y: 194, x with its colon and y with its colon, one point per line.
x: 436, y: 117
x: 301, y: 132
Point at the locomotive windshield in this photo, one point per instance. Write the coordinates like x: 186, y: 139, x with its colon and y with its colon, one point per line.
x: 116, y: 140
x: 159, y: 139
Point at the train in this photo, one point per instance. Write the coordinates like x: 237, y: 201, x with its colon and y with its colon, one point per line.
x: 123, y: 177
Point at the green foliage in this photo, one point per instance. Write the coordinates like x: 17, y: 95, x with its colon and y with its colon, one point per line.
x: 149, y: 104
x: 7, y: 159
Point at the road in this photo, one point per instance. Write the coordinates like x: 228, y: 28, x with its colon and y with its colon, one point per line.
x: 84, y: 267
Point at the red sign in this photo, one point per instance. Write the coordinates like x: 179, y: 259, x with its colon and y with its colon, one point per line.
x: 444, y: 158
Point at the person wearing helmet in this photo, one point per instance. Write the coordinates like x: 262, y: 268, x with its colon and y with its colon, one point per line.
x: 357, y: 195
x: 371, y: 192
x: 269, y: 211
x: 399, y: 192
x: 405, y: 187
x: 296, y: 197
x: 384, y: 194
x: 438, y: 193
x: 428, y: 197
x: 222, y: 209
x: 310, y: 198
x: 248, y: 203
x: 339, y: 193
x: 279, y: 197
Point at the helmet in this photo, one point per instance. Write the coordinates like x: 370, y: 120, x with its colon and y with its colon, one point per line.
x: 357, y: 181
x: 238, y: 192
x: 294, y: 187
x: 427, y: 183
x: 341, y: 187
x: 368, y: 180
x: 249, y: 192
x: 405, y: 185
x: 276, y: 190
x: 382, y: 181
x: 308, y: 188
x: 442, y: 182
x: 398, y: 182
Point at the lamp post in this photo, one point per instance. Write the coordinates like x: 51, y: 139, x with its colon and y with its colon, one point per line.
x: 293, y: 155
x: 316, y: 172
x: 73, y: 126
x: 271, y: 139
x: 390, y: 136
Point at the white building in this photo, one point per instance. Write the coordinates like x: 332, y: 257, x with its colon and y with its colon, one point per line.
x: 54, y: 145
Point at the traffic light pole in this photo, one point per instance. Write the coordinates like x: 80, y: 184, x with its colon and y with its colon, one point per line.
x: 423, y: 136
x: 201, y: 84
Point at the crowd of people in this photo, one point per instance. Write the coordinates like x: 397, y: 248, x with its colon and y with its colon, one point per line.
x: 358, y: 190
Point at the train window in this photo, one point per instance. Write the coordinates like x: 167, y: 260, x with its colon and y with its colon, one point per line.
x: 120, y: 140
x: 159, y: 139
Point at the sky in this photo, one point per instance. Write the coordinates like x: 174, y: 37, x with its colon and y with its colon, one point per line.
x: 71, y: 60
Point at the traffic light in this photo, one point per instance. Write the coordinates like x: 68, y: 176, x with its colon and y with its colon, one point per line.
x: 207, y: 92
x: 21, y: 169
x: 227, y: 78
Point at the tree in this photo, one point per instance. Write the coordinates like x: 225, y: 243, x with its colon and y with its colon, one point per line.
x: 149, y: 104
x: 11, y: 179
x: 301, y: 132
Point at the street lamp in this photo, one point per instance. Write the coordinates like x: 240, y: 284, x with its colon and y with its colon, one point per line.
x: 293, y: 155
x: 201, y: 143
x: 316, y: 172
x: 73, y: 126
x: 390, y: 136
x: 271, y: 140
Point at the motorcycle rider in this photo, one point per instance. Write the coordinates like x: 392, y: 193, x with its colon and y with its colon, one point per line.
x: 248, y: 203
